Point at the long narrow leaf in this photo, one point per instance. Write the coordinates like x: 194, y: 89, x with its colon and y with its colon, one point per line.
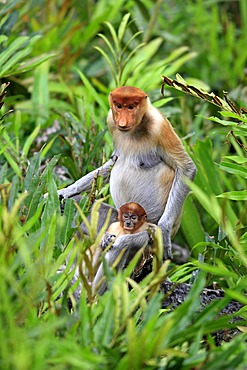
x: 92, y: 91
x: 129, y: 42
x: 30, y: 140
x: 123, y: 26
x: 109, y: 46
x: 40, y: 93
x: 12, y: 48
x: 114, y: 36
x: 15, y: 166
x: 234, y: 168
x: 234, y: 195
x: 12, y: 63
x: 108, y: 61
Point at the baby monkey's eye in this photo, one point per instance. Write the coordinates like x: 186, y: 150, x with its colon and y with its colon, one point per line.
x: 134, y: 218
x: 119, y: 106
x: 131, y: 107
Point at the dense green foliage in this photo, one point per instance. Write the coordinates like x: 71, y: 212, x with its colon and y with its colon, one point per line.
x: 58, y: 62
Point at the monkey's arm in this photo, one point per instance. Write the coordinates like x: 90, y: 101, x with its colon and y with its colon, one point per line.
x: 170, y: 220
x: 85, y: 182
x: 130, y: 244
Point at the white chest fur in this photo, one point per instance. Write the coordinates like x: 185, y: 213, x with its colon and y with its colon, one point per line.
x: 137, y: 179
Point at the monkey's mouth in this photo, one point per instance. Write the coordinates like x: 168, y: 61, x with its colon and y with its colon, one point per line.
x: 128, y: 228
x: 125, y: 128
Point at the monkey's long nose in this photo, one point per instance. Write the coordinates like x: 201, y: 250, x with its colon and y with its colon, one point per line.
x: 123, y: 123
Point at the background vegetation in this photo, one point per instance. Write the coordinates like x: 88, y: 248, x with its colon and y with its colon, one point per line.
x: 58, y: 61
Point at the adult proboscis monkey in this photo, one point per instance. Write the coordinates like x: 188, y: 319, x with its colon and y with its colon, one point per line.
x: 149, y: 163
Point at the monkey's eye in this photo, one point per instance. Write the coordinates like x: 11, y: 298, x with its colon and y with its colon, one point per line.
x: 125, y: 216
x: 131, y: 107
x: 134, y: 218
x: 119, y: 106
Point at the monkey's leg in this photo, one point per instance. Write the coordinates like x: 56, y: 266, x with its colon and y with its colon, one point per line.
x: 103, y: 212
x: 130, y: 244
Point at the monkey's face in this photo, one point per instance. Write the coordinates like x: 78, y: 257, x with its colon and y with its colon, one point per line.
x: 128, y: 106
x: 130, y: 221
x: 125, y: 116
x: 131, y: 216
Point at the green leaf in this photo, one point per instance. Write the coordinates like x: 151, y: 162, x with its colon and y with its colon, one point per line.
x: 114, y: 36
x: 176, y: 53
x: 108, y: 61
x: 191, y: 226
x: 34, y: 62
x: 130, y: 55
x: 162, y: 102
x: 234, y: 195
x: 33, y: 171
x: 129, y: 42
x: 30, y: 140
x: 92, y: 91
x: 12, y: 63
x: 11, y: 49
x: 14, y: 191
x: 40, y: 93
x: 233, y: 115
x: 207, y: 177
x: 3, y: 173
x: 33, y: 219
x: 180, y: 79
x: 209, y: 203
x: 123, y: 26
x: 104, y: 329
x: 173, y: 67
x: 3, y: 38
x: 51, y: 211
x: 15, y: 166
x: 70, y: 165
x: 236, y: 158
x: 68, y: 218
x: 233, y: 168
x: 227, y: 123
x: 48, y: 146
x: 108, y: 43
x: 236, y: 296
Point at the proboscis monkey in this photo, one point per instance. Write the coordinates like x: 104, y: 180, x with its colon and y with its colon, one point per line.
x: 131, y: 220
x: 149, y: 163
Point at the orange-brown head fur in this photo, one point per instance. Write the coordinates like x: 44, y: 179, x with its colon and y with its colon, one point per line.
x: 128, y: 105
x: 131, y: 216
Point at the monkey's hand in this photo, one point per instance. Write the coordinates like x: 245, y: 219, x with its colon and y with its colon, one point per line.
x: 107, y: 240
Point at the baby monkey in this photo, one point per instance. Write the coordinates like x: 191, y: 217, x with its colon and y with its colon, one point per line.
x: 132, y: 220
